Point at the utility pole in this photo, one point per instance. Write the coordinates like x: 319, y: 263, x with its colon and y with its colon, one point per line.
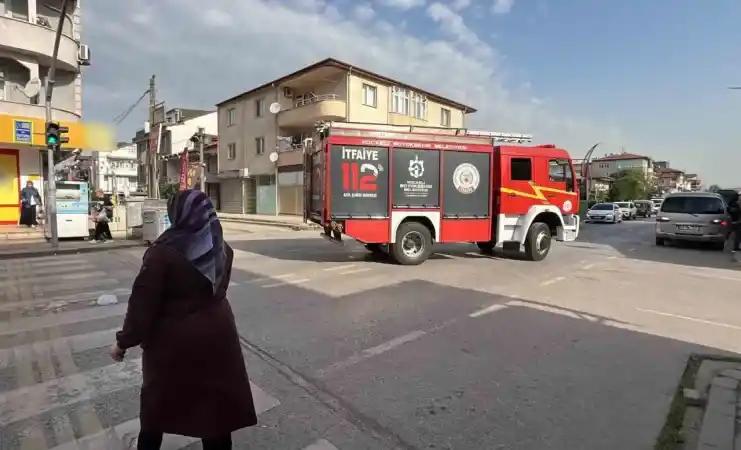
x: 201, y: 159
x: 51, y: 201
x: 152, y: 156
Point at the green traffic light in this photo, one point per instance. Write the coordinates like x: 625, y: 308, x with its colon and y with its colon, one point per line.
x: 51, y: 140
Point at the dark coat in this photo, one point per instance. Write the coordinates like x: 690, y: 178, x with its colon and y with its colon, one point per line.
x: 27, y: 193
x: 195, y: 380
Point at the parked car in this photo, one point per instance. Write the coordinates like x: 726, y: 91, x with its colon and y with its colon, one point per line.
x: 644, y: 208
x: 604, y: 212
x: 693, y: 216
x: 628, y: 210
x: 657, y: 205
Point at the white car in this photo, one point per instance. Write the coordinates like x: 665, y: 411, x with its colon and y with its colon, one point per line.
x: 656, y: 205
x: 604, y: 212
x: 628, y: 210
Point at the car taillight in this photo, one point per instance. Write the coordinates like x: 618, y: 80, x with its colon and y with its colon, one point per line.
x: 720, y: 222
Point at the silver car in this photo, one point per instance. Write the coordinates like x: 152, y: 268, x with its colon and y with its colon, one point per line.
x: 693, y: 216
x: 604, y: 212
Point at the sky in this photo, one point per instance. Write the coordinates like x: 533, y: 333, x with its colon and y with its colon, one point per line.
x: 645, y: 77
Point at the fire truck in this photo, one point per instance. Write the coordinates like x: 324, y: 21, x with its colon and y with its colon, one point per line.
x: 400, y: 189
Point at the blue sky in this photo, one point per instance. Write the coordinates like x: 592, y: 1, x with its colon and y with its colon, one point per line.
x: 649, y: 76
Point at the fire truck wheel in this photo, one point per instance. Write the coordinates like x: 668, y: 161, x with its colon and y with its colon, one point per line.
x: 413, y: 244
x: 538, y: 242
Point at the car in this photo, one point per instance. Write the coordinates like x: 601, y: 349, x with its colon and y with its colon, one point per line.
x: 693, y: 216
x: 628, y: 210
x: 657, y: 205
x: 644, y: 208
x: 604, y: 212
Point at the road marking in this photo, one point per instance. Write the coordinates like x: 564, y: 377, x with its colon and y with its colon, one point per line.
x: 277, y: 277
x: 63, y: 318
x: 445, y: 255
x: 612, y: 257
x: 285, y: 283
x: 349, y: 272
x: 552, y: 281
x: 478, y: 255
x: 332, y: 269
x: 488, y: 310
x: 233, y: 283
x: 691, y: 319
x: 110, y: 438
x: 82, y: 297
x: 587, y: 266
x: 546, y: 308
x: 631, y: 249
x: 373, y: 351
x: 321, y: 444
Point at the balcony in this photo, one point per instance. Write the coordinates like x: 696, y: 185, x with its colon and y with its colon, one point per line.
x: 36, y: 111
x: 21, y: 35
x: 306, y: 113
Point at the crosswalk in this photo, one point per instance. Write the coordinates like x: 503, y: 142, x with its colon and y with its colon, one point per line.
x: 59, y: 390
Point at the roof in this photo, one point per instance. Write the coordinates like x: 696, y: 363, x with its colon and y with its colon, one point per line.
x: 620, y: 157
x: 667, y: 171
x: 331, y: 62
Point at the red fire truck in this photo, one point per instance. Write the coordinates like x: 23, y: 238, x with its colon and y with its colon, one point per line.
x: 399, y: 189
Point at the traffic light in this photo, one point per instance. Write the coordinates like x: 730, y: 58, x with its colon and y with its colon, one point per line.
x: 55, y: 135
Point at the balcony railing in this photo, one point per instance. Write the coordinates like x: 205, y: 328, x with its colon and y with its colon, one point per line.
x: 315, y: 99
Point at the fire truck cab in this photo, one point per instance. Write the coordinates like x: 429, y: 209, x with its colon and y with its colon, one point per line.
x: 401, y: 189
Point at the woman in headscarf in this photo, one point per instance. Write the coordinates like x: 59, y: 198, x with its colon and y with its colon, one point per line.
x: 195, y: 380
x: 30, y: 200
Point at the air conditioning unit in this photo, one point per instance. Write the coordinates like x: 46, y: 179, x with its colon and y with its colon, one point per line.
x: 83, y: 55
x: 244, y: 172
x: 287, y: 92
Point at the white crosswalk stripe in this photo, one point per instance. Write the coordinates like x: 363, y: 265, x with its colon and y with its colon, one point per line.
x: 55, y: 378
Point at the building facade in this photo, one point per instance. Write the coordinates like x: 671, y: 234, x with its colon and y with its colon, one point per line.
x: 178, y: 126
x: 116, y: 171
x: 279, y: 115
x: 612, y: 164
x: 27, y: 29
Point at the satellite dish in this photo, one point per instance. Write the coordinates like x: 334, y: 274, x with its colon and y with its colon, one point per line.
x: 32, y: 88
x: 274, y: 157
x: 275, y: 108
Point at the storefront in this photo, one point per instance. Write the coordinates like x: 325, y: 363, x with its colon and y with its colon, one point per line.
x: 21, y: 158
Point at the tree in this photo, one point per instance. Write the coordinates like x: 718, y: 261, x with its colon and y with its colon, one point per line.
x: 713, y: 188
x: 631, y: 185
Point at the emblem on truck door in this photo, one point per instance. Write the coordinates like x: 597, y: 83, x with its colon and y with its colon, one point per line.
x: 466, y: 178
x: 416, y: 167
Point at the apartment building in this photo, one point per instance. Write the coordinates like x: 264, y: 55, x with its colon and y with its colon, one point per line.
x: 178, y: 125
x: 279, y: 115
x: 674, y: 180
x: 116, y: 171
x: 612, y: 164
x: 27, y: 30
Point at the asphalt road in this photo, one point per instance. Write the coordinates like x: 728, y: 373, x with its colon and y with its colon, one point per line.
x: 346, y: 351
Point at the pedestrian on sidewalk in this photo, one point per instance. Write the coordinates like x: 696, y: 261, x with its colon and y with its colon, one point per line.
x: 195, y: 380
x: 30, y: 199
x: 102, y: 231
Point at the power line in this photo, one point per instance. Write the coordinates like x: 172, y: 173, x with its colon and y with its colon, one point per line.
x: 121, y: 117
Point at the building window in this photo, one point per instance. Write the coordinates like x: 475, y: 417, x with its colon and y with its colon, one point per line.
x: 399, y: 100
x: 419, y: 106
x: 445, y: 117
x: 260, y: 107
x: 260, y: 146
x: 521, y: 169
x: 370, y: 97
x: 18, y: 9
x: 231, y: 151
x: 231, y: 116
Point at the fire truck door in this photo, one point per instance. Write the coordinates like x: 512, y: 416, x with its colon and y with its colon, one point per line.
x: 559, y: 183
x: 517, y: 191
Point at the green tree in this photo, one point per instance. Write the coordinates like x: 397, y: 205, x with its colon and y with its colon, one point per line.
x: 713, y: 188
x: 631, y: 185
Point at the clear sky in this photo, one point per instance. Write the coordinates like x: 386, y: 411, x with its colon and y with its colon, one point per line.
x: 647, y: 76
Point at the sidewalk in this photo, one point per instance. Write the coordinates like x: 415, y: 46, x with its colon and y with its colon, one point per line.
x: 707, y: 411
x: 9, y: 250
x: 283, y: 221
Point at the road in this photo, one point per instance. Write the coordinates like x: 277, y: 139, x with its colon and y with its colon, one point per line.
x: 348, y: 352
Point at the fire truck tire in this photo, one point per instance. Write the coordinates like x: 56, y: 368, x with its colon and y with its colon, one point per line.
x: 413, y: 244
x: 538, y: 241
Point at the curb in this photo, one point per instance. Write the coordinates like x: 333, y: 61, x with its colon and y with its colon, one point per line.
x: 290, y: 226
x: 67, y: 251
x: 719, y: 419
